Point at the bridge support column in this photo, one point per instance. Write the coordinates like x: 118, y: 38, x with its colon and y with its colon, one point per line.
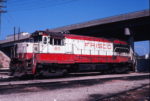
x: 131, y: 42
x: 131, y: 37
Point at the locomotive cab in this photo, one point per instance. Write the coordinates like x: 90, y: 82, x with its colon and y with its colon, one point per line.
x: 47, y: 42
x: 40, y: 42
x: 47, y: 38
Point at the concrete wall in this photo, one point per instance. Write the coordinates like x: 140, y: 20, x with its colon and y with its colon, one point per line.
x: 4, y: 60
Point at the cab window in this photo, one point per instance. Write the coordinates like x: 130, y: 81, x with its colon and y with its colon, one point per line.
x: 45, y: 40
x: 51, y: 41
x: 37, y: 38
x: 55, y: 41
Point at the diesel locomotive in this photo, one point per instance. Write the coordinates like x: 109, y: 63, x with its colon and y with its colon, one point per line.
x: 48, y: 53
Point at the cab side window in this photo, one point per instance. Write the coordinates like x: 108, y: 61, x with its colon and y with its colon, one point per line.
x: 45, y: 40
x: 51, y: 41
x: 37, y: 39
x: 55, y: 41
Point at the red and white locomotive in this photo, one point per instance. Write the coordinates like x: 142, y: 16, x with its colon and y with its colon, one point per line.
x: 51, y: 52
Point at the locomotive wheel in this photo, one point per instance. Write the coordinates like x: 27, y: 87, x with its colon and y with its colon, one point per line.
x: 62, y: 72
x: 17, y: 72
x: 46, y: 71
x: 12, y: 71
x: 121, y: 69
x: 109, y: 71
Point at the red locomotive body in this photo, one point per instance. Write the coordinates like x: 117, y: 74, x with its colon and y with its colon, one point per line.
x: 49, y: 52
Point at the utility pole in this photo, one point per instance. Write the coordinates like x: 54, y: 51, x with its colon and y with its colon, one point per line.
x: 1, y: 11
x: 18, y: 33
x: 14, y: 34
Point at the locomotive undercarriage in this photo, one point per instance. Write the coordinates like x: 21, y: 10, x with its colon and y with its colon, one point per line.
x: 21, y: 68
x: 49, y: 69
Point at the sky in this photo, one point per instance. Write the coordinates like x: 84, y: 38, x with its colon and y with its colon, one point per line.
x: 32, y: 15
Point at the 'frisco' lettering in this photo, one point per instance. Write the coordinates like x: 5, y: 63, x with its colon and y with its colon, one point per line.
x: 99, y: 45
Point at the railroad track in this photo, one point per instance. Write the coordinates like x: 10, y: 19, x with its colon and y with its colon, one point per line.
x: 6, y: 78
x: 6, y: 82
x: 73, y: 83
x: 4, y: 71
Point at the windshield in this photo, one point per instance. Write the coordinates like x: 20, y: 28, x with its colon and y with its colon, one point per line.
x: 37, y: 38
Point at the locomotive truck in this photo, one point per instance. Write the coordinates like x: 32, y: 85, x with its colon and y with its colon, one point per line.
x: 49, y: 53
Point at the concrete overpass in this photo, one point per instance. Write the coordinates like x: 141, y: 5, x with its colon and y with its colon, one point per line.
x: 116, y: 26
x: 132, y: 26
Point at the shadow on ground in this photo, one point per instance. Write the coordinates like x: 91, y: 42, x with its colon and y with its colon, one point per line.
x: 137, y: 94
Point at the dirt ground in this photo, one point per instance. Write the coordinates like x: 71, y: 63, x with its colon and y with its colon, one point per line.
x: 125, y: 88
x: 141, y: 94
